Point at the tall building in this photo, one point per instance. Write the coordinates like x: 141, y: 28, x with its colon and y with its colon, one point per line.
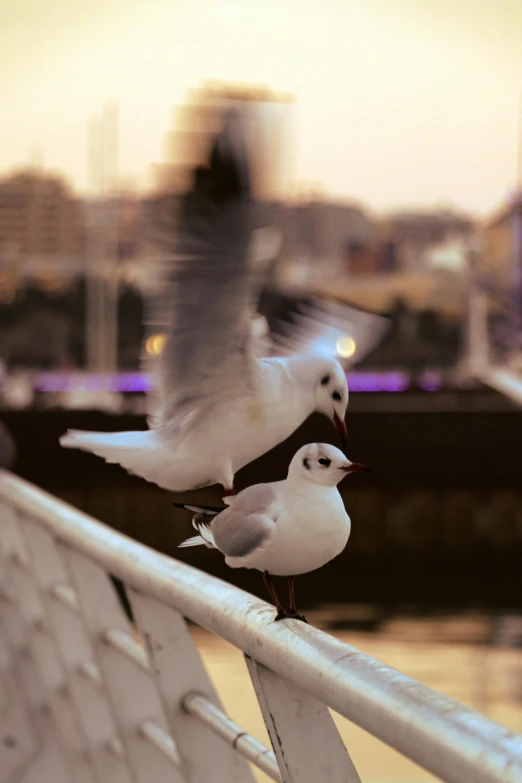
x: 39, y: 216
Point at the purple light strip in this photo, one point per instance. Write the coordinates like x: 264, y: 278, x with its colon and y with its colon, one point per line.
x: 141, y: 382
x: 378, y: 381
x: 92, y: 382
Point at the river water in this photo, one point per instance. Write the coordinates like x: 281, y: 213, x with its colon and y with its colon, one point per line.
x: 446, y: 653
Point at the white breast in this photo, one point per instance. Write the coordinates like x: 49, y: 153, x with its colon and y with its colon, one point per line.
x: 316, y: 531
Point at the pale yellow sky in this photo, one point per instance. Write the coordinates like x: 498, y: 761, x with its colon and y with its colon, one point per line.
x: 400, y: 102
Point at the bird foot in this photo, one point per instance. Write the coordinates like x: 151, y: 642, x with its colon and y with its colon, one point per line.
x: 290, y: 615
x: 295, y: 614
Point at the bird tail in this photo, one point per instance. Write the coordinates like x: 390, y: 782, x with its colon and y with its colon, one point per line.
x: 209, y: 511
x: 200, y: 522
x: 143, y: 453
x: 194, y: 541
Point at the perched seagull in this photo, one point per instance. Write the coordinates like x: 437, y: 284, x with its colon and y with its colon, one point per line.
x: 283, y: 528
x: 220, y: 405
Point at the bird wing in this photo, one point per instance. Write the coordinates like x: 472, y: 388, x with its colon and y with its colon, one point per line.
x: 249, y: 522
x: 208, y: 353
x: 318, y: 325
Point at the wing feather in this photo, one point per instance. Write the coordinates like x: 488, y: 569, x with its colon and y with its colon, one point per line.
x: 208, y: 354
x: 248, y: 523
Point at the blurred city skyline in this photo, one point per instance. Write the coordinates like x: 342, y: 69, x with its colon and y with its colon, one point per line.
x: 398, y: 103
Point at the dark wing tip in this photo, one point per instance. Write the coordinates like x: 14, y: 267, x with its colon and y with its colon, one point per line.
x: 199, y: 509
x: 228, y: 173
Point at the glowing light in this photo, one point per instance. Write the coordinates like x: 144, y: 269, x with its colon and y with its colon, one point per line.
x: 155, y: 344
x: 345, y: 346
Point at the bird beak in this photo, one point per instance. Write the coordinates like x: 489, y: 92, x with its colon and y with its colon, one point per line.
x: 340, y: 426
x: 356, y: 467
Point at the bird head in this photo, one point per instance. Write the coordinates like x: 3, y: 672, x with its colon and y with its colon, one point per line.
x: 323, y: 464
x: 331, y: 394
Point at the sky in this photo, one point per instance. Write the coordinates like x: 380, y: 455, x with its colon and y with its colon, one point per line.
x: 399, y: 103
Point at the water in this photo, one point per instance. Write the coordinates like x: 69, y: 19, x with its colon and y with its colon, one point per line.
x: 447, y: 654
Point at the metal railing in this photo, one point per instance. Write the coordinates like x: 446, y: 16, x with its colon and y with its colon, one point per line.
x: 81, y: 699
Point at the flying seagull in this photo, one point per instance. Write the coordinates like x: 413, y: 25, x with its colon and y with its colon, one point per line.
x: 220, y: 405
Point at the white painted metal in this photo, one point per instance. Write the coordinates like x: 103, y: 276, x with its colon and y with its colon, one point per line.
x: 161, y: 740
x: 125, y: 672
x: 5, y: 666
x: 115, y: 747
x: 65, y: 594
x: 306, y: 742
x: 222, y: 726
x: 82, y: 675
x: 19, y: 743
x: 89, y: 670
x: 49, y: 765
x: 178, y: 669
x: 43, y: 649
x: 125, y: 644
x: 44, y: 760
x: 441, y: 735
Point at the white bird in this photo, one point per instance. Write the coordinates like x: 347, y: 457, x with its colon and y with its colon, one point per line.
x: 284, y: 528
x: 220, y: 405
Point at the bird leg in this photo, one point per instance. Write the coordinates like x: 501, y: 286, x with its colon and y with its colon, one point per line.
x: 267, y: 579
x: 229, y: 492
x: 292, y: 612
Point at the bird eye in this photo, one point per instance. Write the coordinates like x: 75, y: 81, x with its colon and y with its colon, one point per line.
x: 336, y: 396
x: 324, y: 461
x: 325, y: 381
x: 306, y: 463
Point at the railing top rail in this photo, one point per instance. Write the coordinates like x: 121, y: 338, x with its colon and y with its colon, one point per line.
x: 446, y: 738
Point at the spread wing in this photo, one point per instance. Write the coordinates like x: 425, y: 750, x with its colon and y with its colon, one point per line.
x: 208, y: 352
x: 210, y: 300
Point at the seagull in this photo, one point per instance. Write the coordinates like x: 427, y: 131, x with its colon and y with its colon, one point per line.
x: 284, y: 528
x: 220, y: 405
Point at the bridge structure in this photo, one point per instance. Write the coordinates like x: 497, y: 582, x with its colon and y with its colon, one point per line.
x: 494, y: 312
x: 90, y: 696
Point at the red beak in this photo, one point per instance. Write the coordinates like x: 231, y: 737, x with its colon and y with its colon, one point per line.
x: 357, y: 467
x: 340, y: 426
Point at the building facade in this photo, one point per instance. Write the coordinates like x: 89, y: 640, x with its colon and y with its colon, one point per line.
x: 414, y: 234
x: 39, y: 216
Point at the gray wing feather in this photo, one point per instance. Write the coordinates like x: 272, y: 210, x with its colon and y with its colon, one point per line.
x: 248, y: 523
x: 208, y: 354
x: 239, y: 537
